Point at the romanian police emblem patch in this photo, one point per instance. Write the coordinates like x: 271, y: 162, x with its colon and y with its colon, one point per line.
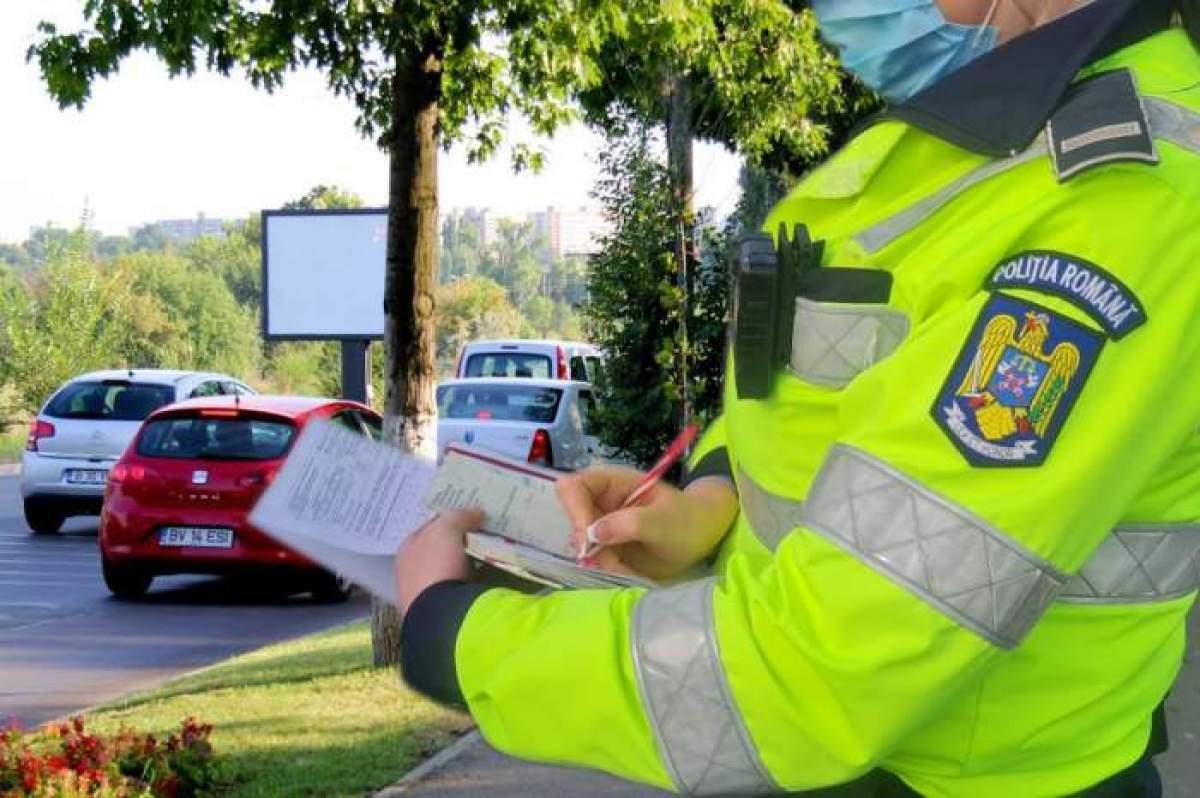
x: 1014, y: 383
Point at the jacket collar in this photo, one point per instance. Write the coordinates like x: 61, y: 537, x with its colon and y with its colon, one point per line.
x: 998, y: 104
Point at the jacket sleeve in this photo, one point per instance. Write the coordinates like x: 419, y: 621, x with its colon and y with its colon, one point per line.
x: 909, y: 570
x: 710, y: 457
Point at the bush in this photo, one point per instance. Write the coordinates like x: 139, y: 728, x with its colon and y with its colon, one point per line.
x: 66, y: 761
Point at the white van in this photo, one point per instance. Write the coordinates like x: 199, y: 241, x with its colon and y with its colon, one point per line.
x: 531, y: 359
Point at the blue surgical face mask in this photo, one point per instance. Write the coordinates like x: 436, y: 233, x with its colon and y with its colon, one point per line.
x: 899, y: 47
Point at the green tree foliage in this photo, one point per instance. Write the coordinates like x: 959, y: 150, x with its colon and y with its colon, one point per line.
x: 635, y: 301
x: 759, y: 79
x: 470, y: 309
x: 306, y: 368
x: 148, y: 310
x: 235, y: 258
x: 211, y: 330
x: 68, y: 318
x: 323, y: 198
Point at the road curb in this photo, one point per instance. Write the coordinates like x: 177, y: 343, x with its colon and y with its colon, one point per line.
x: 435, y: 762
x: 10, y: 469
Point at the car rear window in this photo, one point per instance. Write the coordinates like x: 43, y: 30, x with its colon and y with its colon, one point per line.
x: 111, y: 400
x: 204, y: 438
x: 499, y: 403
x: 508, y: 364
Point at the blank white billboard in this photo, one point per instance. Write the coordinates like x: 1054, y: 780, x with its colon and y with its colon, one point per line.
x: 323, y: 273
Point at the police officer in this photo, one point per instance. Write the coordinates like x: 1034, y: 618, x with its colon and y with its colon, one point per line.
x: 955, y: 526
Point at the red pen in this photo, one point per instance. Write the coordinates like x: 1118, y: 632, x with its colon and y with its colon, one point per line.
x: 670, y: 457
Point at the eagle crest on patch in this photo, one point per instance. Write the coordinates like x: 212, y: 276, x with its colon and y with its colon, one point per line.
x: 1014, y: 383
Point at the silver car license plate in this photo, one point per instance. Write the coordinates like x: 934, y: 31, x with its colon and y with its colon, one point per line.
x: 198, y: 536
x: 85, y: 476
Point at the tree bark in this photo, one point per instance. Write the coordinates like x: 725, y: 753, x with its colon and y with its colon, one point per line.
x: 411, y: 277
x: 679, y: 166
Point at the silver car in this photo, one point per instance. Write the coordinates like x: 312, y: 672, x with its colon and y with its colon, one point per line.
x: 86, y: 425
x: 547, y: 422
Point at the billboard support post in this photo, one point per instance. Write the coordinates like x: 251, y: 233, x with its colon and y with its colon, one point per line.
x: 356, y: 369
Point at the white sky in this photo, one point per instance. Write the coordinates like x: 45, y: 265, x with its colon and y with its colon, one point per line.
x: 146, y: 147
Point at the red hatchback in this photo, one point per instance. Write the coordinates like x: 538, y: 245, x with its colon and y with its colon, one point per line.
x: 178, y: 499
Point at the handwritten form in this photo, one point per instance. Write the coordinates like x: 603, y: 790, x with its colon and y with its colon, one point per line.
x: 349, y: 503
x: 342, y: 488
x: 519, y: 502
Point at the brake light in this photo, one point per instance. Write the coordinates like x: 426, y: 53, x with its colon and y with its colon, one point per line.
x: 124, y: 472
x: 540, y: 452
x: 219, y: 413
x: 562, y: 363
x: 38, y: 429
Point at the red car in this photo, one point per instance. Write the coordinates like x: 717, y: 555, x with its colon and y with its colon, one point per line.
x: 178, y: 499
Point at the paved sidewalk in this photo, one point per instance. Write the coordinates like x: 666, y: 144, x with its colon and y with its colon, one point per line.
x: 479, y: 770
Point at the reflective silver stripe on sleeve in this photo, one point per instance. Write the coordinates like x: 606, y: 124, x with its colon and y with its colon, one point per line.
x: 1140, y: 564
x: 771, y: 517
x: 833, y: 343
x: 699, y: 731
x: 1168, y: 122
x: 1137, y: 563
x: 936, y: 550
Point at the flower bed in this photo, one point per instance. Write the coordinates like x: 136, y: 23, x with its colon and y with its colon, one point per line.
x: 64, y: 760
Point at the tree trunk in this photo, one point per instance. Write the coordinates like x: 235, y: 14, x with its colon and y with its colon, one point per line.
x: 679, y: 165
x: 409, y: 414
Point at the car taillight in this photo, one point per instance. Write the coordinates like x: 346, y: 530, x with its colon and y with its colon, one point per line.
x: 540, y: 452
x: 124, y: 472
x: 38, y: 429
x: 562, y: 363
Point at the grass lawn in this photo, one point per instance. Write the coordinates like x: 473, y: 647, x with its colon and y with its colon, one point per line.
x: 305, y: 718
x: 12, y: 443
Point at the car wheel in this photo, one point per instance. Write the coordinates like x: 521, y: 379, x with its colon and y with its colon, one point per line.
x: 125, y: 581
x: 329, y: 588
x: 41, y: 518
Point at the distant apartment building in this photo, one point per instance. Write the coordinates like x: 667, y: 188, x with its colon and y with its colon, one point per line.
x: 484, y: 221
x: 181, y: 231
x: 571, y: 232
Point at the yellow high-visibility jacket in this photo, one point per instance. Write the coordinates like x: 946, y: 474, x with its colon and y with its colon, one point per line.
x: 970, y: 506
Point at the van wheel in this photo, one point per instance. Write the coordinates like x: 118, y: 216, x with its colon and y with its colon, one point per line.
x: 41, y: 518
x: 329, y: 588
x: 125, y: 581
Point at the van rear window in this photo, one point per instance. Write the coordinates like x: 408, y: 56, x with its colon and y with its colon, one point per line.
x: 110, y: 400
x: 499, y: 403
x: 508, y: 364
x: 199, y: 438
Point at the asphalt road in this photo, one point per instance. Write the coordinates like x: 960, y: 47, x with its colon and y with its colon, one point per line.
x: 66, y: 644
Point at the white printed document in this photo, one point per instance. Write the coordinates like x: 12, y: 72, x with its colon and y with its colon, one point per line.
x: 349, y: 503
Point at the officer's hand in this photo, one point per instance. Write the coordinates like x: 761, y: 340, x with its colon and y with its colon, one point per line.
x: 435, y: 553
x: 665, y: 535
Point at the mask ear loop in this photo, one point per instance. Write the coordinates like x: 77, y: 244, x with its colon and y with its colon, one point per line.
x: 986, y: 23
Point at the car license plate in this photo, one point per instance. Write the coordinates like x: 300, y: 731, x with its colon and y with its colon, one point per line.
x: 85, y: 476
x: 198, y: 536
